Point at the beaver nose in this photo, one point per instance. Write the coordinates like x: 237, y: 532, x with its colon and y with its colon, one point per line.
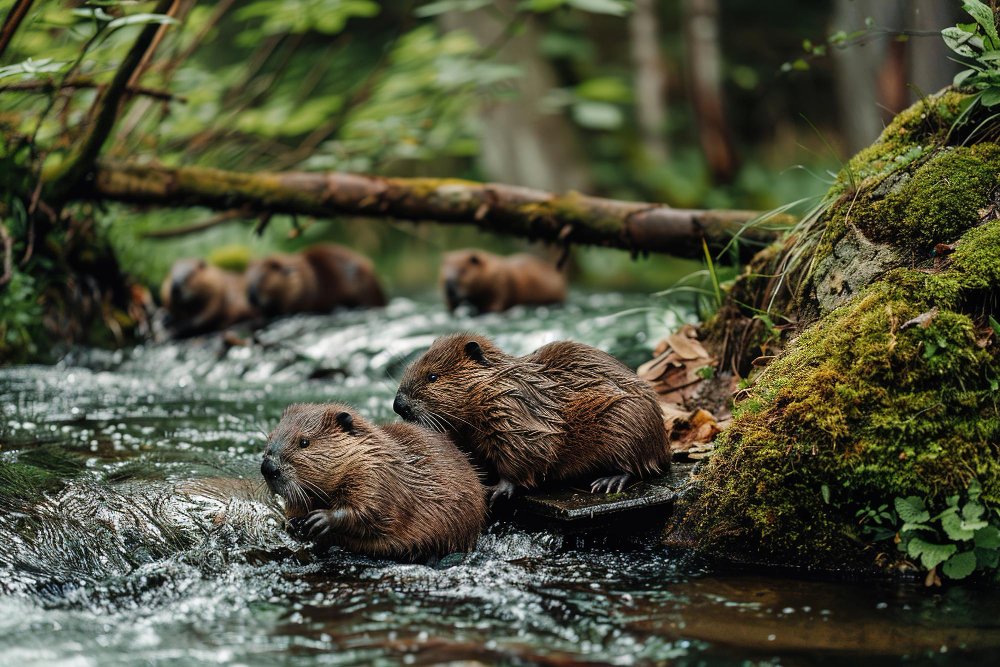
x: 269, y: 469
x: 402, y: 407
x: 253, y: 296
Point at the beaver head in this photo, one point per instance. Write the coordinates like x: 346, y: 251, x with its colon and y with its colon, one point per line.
x: 274, y: 283
x: 188, y: 286
x: 436, y: 389
x: 468, y: 276
x: 312, y: 452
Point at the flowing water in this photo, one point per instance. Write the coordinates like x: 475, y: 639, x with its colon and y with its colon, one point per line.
x: 134, y: 529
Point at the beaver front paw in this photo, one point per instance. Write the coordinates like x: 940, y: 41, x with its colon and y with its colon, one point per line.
x: 613, y: 484
x: 503, y: 488
x: 318, y: 523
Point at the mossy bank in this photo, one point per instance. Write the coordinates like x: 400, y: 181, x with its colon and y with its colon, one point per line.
x: 888, y: 388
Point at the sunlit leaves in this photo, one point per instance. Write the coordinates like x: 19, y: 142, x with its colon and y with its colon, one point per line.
x: 977, y: 43
x: 300, y: 16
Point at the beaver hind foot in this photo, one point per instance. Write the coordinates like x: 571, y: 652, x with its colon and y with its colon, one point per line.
x: 613, y: 484
x: 502, y: 489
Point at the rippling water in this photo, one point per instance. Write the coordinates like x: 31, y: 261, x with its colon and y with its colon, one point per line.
x: 134, y: 529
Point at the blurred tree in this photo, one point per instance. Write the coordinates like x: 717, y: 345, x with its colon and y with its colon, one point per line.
x: 649, y: 79
x: 704, y: 67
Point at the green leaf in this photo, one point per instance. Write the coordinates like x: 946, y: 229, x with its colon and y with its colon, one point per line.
x: 987, y: 558
x: 823, y: 490
x: 445, y: 6
x: 961, y: 42
x: 597, y: 115
x: 930, y: 554
x: 141, y: 19
x: 995, y: 325
x: 612, y: 7
x: 960, y: 565
x: 604, y: 89
x: 541, y: 5
x: 962, y: 76
x: 972, y: 511
x: 953, y: 528
x: 912, y: 509
x: 990, y: 97
x: 984, y: 17
x: 988, y: 537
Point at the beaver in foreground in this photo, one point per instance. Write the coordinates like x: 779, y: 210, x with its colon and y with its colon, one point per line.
x: 491, y: 283
x: 199, y: 298
x: 316, y: 280
x: 396, y: 491
x: 564, y: 411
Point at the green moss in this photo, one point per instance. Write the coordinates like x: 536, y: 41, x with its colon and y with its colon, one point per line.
x: 869, y: 406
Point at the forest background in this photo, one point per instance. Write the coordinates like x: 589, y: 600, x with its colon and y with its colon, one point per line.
x: 697, y: 104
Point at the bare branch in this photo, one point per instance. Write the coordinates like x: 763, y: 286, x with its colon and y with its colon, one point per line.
x: 75, y: 84
x: 13, y: 22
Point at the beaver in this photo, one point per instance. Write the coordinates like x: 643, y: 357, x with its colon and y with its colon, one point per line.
x: 491, y: 283
x: 199, y: 298
x: 396, y: 491
x: 564, y: 411
x: 316, y: 280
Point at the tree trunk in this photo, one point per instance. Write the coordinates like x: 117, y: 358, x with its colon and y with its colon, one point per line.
x: 649, y: 80
x: 521, y: 143
x: 704, y: 66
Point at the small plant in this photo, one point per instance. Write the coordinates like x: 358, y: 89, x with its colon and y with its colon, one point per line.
x: 978, y: 45
x: 961, y: 539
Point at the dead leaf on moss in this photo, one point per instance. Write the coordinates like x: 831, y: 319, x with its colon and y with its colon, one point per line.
x: 677, y: 373
x: 923, y: 320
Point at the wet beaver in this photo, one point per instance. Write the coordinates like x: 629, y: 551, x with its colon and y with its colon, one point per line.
x: 491, y: 283
x: 199, y: 298
x: 395, y: 491
x: 566, y: 410
x: 316, y: 280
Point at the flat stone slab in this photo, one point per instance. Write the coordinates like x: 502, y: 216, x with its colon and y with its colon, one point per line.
x: 578, y: 508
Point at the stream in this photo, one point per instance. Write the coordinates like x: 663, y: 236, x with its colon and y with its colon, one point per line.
x: 135, y: 528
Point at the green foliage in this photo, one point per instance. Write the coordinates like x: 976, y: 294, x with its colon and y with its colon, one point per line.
x: 978, y: 46
x: 962, y: 536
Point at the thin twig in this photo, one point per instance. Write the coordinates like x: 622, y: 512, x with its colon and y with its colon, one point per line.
x: 184, y: 230
x: 13, y: 22
x: 8, y: 248
x: 107, y: 107
x: 76, y: 84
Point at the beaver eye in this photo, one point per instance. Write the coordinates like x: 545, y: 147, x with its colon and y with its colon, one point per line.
x: 432, y: 377
x: 304, y: 442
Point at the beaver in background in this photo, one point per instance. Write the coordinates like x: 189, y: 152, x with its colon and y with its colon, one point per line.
x: 316, y: 280
x: 491, y: 283
x: 565, y: 411
x: 396, y: 491
x: 200, y: 298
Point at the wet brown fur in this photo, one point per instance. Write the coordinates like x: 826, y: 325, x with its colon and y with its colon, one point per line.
x: 200, y: 297
x: 408, y: 491
x: 565, y: 411
x: 492, y: 283
x: 316, y: 280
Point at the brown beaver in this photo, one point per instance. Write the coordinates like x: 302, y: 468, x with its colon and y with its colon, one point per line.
x: 491, y: 283
x: 199, y: 297
x: 316, y: 280
x: 564, y: 411
x: 396, y: 491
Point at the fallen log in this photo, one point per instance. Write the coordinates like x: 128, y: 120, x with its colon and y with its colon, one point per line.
x: 570, y: 218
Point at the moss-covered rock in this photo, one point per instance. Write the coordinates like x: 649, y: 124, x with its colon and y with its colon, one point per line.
x: 891, y: 390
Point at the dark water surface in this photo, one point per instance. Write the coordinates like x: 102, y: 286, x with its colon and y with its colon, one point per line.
x: 134, y: 530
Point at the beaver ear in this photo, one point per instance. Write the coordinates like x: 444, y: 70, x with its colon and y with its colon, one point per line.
x: 475, y: 352
x: 346, y: 421
x: 474, y: 259
x: 202, y: 264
